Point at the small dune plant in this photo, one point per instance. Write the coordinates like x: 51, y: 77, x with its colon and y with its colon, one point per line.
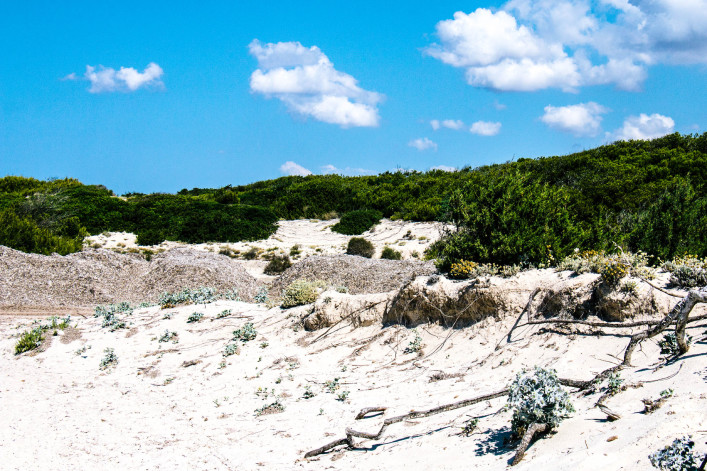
x: 109, y: 360
x: 677, y: 456
x: 613, y: 272
x: 203, y: 295
x: 245, y: 333
x: 537, y: 397
x: 415, y: 345
x: 261, y: 296
x: 169, y: 337
x: 113, y: 315
x: 277, y: 265
x: 300, y: 292
x: 669, y: 344
x: 390, y: 253
x: 361, y: 247
x: 32, y: 339
x: 274, y: 408
x: 688, y: 271
x: 195, y: 317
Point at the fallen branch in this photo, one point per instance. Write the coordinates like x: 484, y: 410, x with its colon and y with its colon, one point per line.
x: 610, y: 325
x: 527, y: 438
x: 350, y: 433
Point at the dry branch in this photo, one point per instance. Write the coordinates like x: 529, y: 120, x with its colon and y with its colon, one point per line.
x: 527, y: 438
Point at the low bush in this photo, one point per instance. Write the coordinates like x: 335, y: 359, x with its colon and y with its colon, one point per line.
x: 245, y: 333
x: 669, y: 344
x: 29, y: 340
x: 390, y: 254
x: 361, y: 247
x: 112, y: 315
x: 109, y: 360
x: 677, y: 456
x: 537, y: 397
x: 357, y: 222
x: 277, y: 265
x: 300, y: 292
x: 688, y: 271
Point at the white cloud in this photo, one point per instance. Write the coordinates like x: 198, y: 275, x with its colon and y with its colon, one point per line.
x: 643, y: 127
x: 583, y: 119
x: 485, y: 128
x: 444, y: 168
x: 455, y: 124
x: 307, y: 82
x: 347, y: 171
x: 567, y: 44
x: 422, y: 144
x: 126, y: 79
x: 291, y: 168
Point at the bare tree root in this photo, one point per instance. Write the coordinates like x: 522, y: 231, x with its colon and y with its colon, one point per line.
x: 350, y: 433
x: 679, y: 314
x: 530, y: 432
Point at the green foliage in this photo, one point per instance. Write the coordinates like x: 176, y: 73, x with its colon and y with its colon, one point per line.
x: 469, y: 426
x: 230, y: 349
x: 677, y: 456
x: 300, y: 292
x: 195, y: 317
x: 415, y: 345
x: 274, y: 408
x: 277, y: 265
x: 245, y: 333
x: 22, y: 233
x: 112, y: 315
x: 669, y: 344
x: 361, y: 247
x: 203, y: 295
x: 390, y: 254
x: 537, y: 397
x: 169, y: 336
x: 109, y: 360
x: 688, y: 271
x: 613, y: 272
x: 613, y: 383
x: 357, y: 222
x: 29, y: 340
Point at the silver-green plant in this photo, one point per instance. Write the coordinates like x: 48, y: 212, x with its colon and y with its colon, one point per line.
x: 669, y: 344
x: 677, y: 456
x: 230, y: 349
x: 274, y: 408
x: 262, y: 295
x: 245, y: 333
x: 415, y: 344
x: 109, y: 360
x: 169, y: 336
x: 112, y: 315
x: 224, y: 313
x: 301, y: 292
x: 195, y: 317
x: 537, y: 397
x: 613, y: 383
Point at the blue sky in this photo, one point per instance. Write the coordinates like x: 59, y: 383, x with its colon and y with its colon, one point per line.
x: 159, y: 96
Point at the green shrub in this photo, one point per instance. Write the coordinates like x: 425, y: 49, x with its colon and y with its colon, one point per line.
x: 29, y: 340
x: 195, y: 317
x: 613, y: 272
x: 361, y: 247
x: 277, y: 265
x: 21, y: 233
x: 357, y: 222
x: 688, y: 271
x: 537, y: 397
x: 245, y: 333
x: 391, y: 254
x: 300, y: 292
x: 109, y: 360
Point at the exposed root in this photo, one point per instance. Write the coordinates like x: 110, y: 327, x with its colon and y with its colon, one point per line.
x: 527, y: 438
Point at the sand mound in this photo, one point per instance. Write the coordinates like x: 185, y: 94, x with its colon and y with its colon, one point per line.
x: 360, y: 275
x: 101, y: 276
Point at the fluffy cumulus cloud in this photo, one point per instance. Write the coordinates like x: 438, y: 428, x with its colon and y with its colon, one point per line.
x: 291, y: 168
x: 583, y: 119
x: 307, y: 82
x: 423, y: 143
x: 485, y: 128
x: 643, y: 126
x: 126, y: 79
x: 537, y: 44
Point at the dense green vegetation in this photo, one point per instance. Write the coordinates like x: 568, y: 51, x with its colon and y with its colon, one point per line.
x: 357, y: 222
x: 642, y: 195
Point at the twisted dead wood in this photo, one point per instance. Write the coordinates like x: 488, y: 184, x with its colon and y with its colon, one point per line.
x: 530, y: 432
x: 351, y: 433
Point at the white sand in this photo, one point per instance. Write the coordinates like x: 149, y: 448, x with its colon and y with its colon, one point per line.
x: 60, y: 411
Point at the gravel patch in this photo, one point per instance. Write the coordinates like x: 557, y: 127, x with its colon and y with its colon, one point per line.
x: 101, y: 276
x: 360, y: 275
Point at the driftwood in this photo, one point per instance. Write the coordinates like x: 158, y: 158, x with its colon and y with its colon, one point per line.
x: 350, y: 433
x: 531, y: 431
